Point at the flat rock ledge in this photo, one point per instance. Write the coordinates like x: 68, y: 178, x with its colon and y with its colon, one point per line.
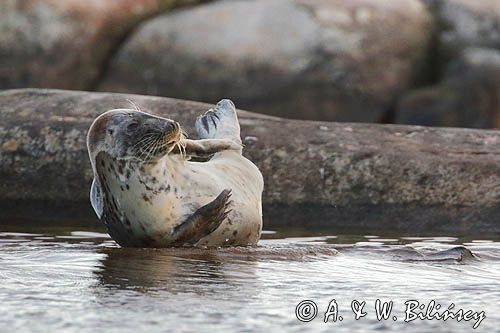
x: 340, y: 176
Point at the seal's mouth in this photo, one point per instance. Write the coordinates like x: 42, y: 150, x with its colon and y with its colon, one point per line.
x: 174, y: 141
x: 158, y: 143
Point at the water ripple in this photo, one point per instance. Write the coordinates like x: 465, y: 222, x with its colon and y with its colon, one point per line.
x: 81, y: 281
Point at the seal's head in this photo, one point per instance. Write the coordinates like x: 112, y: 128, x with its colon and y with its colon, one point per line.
x: 130, y: 136
x: 133, y: 135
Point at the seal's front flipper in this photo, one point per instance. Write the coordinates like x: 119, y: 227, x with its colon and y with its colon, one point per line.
x: 219, y: 123
x: 204, y: 221
x: 209, y: 146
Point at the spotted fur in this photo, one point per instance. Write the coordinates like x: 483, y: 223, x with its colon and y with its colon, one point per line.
x: 160, y: 198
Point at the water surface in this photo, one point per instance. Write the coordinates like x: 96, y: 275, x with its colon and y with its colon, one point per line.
x: 74, y: 280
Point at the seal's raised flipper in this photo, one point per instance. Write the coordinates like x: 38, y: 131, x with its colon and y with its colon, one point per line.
x: 219, y: 123
x: 204, y: 221
x: 209, y: 146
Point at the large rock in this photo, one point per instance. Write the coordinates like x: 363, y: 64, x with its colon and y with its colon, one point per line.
x: 467, y: 96
x: 375, y: 177
x: 466, y: 23
x: 310, y: 59
x: 65, y: 43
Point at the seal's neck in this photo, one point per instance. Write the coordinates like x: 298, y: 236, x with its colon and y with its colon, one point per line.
x: 128, y: 178
x: 168, y: 166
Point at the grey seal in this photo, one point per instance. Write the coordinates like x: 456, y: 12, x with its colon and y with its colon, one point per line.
x: 149, y: 193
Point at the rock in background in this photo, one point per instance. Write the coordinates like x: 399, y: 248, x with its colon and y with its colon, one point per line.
x: 466, y: 23
x: 379, y: 61
x: 64, y: 43
x: 309, y: 59
x: 467, y: 59
x: 467, y: 96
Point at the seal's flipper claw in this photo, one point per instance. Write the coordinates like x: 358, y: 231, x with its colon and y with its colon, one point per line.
x: 219, y: 123
x: 204, y: 221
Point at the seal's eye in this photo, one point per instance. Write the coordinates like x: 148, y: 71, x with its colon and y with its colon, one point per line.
x: 132, y: 127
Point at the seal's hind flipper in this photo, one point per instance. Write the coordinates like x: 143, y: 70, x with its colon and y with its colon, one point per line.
x: 219, y: 123
x: 204, y: 221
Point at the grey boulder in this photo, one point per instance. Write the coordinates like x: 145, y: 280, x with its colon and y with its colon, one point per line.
x: 343, y: 177
x: 308, y: 59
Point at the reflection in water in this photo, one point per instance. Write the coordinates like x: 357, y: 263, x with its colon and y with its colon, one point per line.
x: 82, y: 282
x: 151, y: 270
x: 193, y: 269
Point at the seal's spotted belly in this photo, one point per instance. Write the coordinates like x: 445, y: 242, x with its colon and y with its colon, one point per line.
x: 121, y: 218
